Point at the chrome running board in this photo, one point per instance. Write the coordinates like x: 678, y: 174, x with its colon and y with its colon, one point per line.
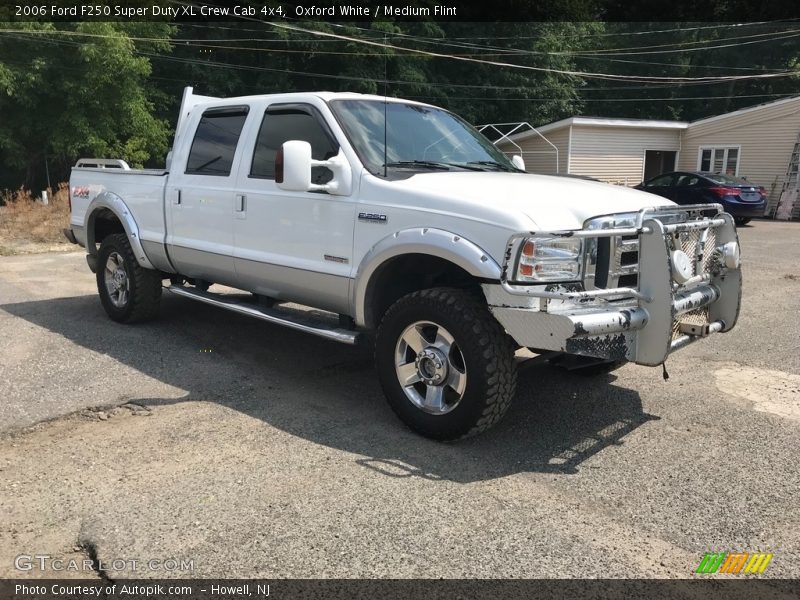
x: 304, y: 323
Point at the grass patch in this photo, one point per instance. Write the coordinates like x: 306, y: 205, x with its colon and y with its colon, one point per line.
x: 27, y: 225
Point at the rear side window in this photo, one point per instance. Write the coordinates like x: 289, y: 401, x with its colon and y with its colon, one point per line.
x: 688, y: 181
x: 215, y: 140
x: 728, y: 180
x: 292, y: 122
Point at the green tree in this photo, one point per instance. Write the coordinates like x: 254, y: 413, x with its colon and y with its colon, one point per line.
x: 68, y: 90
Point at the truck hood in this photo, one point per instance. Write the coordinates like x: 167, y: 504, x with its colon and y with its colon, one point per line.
x: 552, y: 203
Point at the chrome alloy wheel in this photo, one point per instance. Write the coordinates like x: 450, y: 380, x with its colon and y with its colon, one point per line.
x: 117, y: 282
x: 430, y: 367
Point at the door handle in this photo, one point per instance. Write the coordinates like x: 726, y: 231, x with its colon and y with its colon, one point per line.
x: 241, y: 201
x: 177, y: 199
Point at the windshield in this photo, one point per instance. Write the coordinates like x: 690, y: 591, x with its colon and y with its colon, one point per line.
x: 418, y: 138
x: 728, y: 180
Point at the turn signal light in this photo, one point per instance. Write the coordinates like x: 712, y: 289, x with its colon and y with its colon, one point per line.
x: 528, y: 249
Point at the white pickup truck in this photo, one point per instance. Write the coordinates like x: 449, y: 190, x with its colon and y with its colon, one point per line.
x: 398, y: 219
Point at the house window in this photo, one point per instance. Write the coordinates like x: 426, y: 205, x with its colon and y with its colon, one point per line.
x: 719, y: 160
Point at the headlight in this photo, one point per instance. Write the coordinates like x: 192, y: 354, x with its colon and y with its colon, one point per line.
x: 549, y: 259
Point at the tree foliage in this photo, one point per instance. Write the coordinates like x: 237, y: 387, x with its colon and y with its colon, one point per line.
x: 113, y: 89
x: 64, y: 96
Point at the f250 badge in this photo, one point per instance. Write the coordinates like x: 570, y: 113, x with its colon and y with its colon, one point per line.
x: 372, y: 217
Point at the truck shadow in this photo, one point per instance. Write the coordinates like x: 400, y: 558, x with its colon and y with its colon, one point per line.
x: 329, y: 394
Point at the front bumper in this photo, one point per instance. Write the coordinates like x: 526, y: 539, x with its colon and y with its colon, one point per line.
x: 642, y: 324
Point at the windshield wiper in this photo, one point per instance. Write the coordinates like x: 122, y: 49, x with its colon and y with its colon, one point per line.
x: 423, y: 164
x: 490, y: 163
x: 431, y: 164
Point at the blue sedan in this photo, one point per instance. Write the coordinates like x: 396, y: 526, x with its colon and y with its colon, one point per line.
x: 739, y: 197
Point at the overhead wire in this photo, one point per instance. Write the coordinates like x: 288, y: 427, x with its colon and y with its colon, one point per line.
x: 654, y: 85
x: 583, y: 54
x: 583, y: 74
x: 315, y: 34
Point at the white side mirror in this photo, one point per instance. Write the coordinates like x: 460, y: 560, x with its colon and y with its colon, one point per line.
x: 517, y: 161
x: 293, y: 165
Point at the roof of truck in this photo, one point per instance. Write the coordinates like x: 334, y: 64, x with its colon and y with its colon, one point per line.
x: 327, y: 96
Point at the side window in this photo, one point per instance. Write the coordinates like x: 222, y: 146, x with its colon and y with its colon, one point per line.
x: 688, y: 181
x: 215, y: 140
x: 292, y: 122
x: 659, y: 181
x: 705, y: 160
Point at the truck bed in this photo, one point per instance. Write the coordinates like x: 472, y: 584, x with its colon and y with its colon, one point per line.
x: 142, y: 189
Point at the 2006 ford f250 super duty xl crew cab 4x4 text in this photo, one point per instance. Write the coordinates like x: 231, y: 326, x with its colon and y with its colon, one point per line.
x: 401, y: 224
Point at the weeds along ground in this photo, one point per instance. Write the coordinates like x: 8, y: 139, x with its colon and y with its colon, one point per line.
x: 27, y: 225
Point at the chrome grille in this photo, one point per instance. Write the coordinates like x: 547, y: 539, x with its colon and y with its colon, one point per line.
x: 615, y: 261
x: 624, y: 271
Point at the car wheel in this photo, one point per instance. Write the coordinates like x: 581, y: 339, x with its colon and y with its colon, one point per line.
x: 128, y: 292
x: 741, y: 221
x: 445, y: 364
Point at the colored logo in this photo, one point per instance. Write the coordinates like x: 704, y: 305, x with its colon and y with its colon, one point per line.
x: 735, y: 562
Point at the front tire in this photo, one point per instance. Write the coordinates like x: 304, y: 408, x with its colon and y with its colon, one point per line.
x: 445, y: 364
x: 740, y: 221
x: 128, y: 292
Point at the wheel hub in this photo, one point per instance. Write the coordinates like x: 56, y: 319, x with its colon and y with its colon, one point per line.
x: 431, y: 366
x: 120, y: 278
x: 116, y: 279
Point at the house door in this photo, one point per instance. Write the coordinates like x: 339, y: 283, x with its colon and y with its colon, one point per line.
x: 657, y: 162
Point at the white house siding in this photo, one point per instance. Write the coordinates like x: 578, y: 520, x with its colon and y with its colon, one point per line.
x: 616, y: 154
x: 766, y: 134
x: 539, y: 156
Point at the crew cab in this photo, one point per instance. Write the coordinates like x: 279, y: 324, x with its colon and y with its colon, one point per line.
x: 402, y: 226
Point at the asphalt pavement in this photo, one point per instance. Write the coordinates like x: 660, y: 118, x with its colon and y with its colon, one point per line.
x: 244, y: 449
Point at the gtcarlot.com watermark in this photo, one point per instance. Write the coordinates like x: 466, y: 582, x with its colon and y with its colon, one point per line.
x: 45, y: 562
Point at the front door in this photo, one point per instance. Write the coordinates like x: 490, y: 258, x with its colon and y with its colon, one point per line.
x: 663, y: 186
x: 293, y: 246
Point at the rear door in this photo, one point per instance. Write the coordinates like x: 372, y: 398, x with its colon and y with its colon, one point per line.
x: 688, y: 189
x: 200, y: 196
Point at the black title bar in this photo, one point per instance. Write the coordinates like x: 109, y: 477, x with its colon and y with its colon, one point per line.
x: 399, y: 10
x: 426, y: 589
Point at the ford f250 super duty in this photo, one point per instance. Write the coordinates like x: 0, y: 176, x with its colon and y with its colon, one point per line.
x: 402, y: 225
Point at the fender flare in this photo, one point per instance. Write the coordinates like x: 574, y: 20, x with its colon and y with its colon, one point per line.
x: 419, y: 240
x: 117, y: 206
